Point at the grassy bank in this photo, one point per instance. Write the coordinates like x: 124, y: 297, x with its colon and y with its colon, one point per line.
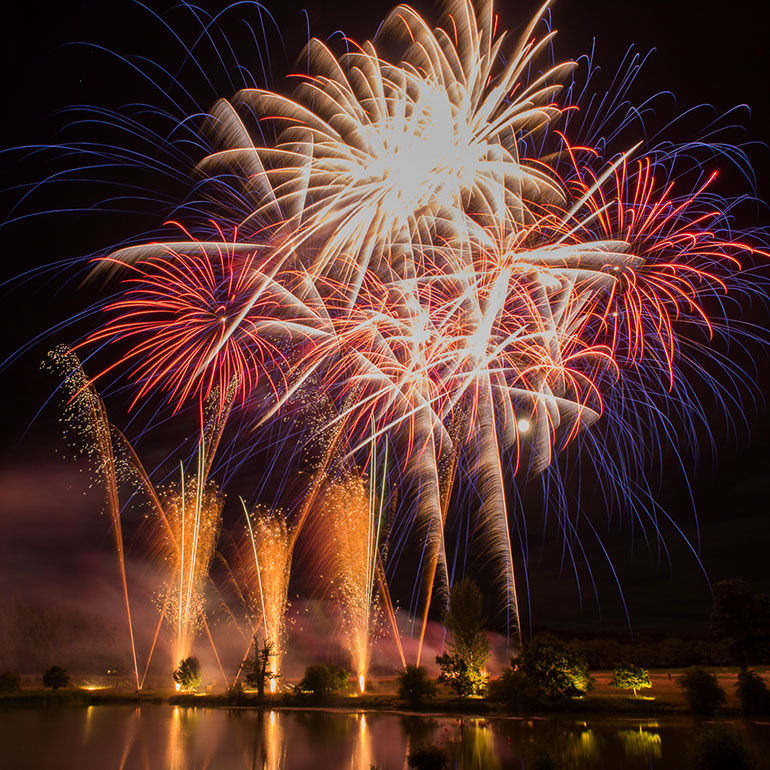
x: 663, y: 698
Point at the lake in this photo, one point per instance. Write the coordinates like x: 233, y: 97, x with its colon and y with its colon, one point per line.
x: 173, y: 738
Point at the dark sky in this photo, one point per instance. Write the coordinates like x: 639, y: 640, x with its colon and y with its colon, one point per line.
x: 705, y: 53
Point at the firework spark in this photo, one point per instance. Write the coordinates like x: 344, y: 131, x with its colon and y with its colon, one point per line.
x: 453, y: 290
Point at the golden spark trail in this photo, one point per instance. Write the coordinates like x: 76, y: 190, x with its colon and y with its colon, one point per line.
x: 86, y: 412
x: 271, y: 541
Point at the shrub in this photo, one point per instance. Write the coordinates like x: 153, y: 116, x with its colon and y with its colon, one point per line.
x: 428, y: 756
x: 552, y: 669
x: 630, y: 677
x: 320, y: 680
x: 235, y: 694
x: 56, y: 677
x: 701, y: 690
x: 9, y: 683
x: 188, y: 675
x: 513, y: 689
x: 415, y: 686
x: 717, y: 747
x: 753, y: 693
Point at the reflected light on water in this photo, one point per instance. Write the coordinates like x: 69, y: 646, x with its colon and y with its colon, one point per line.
x: 274, y: 751
x: 363, y: 757
x: 156, y: 737
x: 640, y: 744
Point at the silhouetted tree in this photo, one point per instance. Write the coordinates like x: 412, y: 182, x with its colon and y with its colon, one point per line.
x: 9, y: 683
x: 321, y: 679
x: 256, y: 667
x: 415, y: 686
x: 742, y: 619
x: 56, y: 677
x: 753, y: 693
x: 701, y: 690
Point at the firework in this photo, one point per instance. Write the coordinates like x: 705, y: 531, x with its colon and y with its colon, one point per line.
x: 431, y: 259
x: 86, y: 415
x: 349, y: 527
x: 193, y: 509
x: 266, y: 550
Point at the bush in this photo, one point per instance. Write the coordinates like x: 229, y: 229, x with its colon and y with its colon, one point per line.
x: 753, y: 693
x: 630, y: 677
x: 513, y: 689
x: 9, y: 683
x: 717, y: 747
x: 552, y: 669
x: 235, y: 694
x: 701, y: 690
x: 415, y: 686
x: 428, y: 756
x: 56, y: 677
x: 188, y: 675
x: 320, y: 680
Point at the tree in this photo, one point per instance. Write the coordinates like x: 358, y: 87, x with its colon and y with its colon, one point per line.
x: 56, y: 677
x: 188, y: 675
x: 741, y: 619
x: 9, y: 683
x: 552, y: 668
x: 320, y: 680
x: 630, y: 677
x: 256, y: 667
x: 415, y: 686
x: 753, y: 693
x: 701, y: 690
x: 514, y: 690
x: 468, y: 640
x: 460, y: 675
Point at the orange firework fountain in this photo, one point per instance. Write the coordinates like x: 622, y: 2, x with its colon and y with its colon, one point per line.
x: 193, y: 512
x: 267, y: 565
x: 350, y: 529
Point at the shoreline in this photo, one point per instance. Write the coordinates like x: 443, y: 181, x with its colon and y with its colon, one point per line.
x: 595, y: 706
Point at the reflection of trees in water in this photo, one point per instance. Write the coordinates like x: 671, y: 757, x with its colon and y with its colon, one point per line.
x: 640, y: 744
x: 270, y: 748
x: 326, y: 730
x: 473, y: 746
x: 577, y: 747
x: 418, y: 729
x: 571, y: 746
x: 182, y: 741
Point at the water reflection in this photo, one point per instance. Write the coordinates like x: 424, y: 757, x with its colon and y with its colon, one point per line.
x: 640, y: 744
x: 474, y: 745
x: 166, y: 738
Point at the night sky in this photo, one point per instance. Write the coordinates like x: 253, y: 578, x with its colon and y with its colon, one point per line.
x: 54, y: 546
